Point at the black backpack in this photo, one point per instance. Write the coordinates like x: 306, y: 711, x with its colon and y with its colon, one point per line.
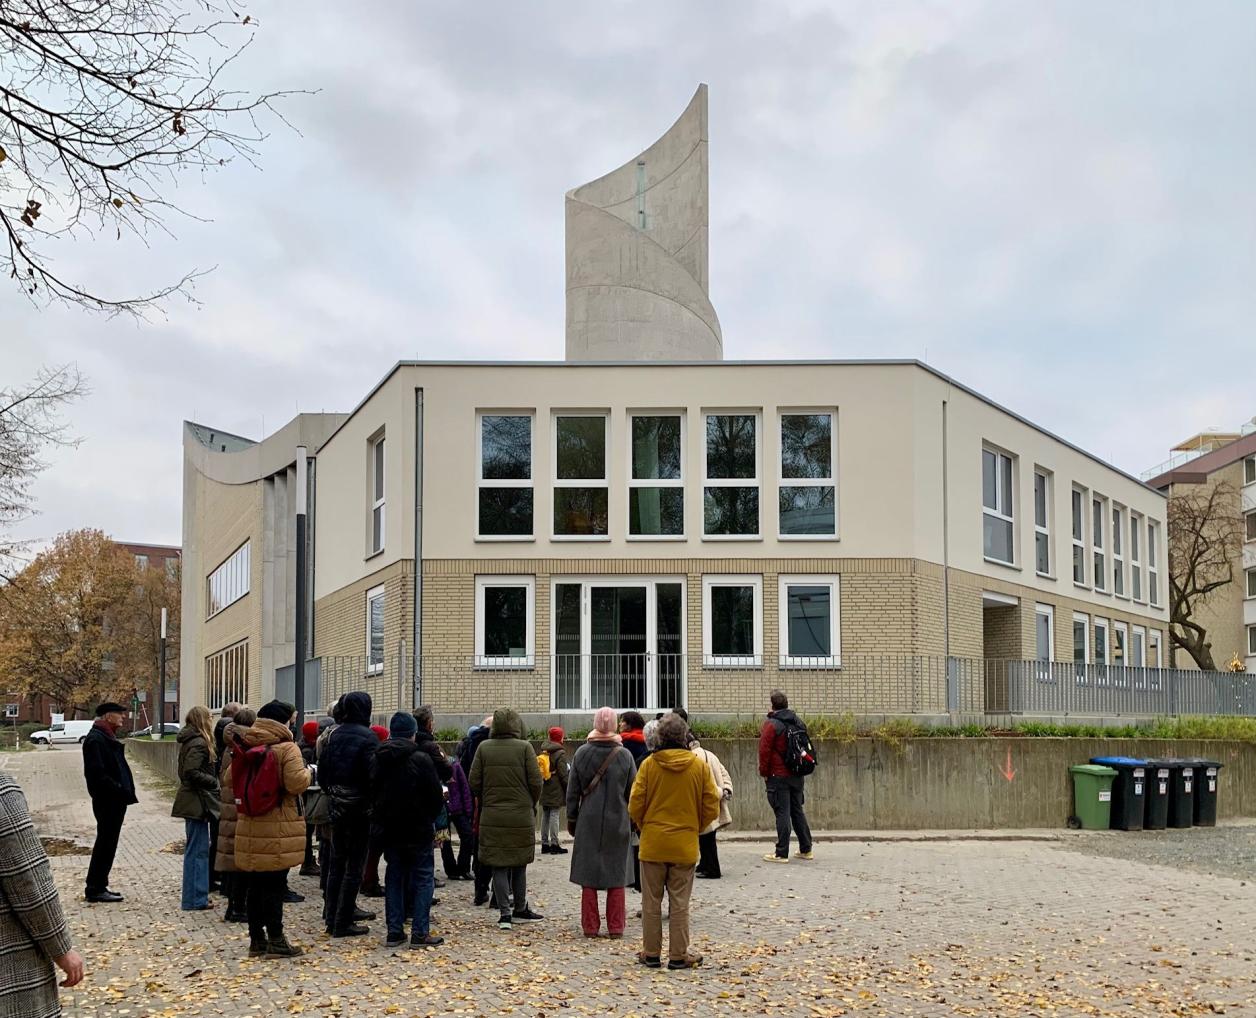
x: 800, y: 755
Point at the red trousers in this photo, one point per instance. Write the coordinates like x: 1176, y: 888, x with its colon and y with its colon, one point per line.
x: 589, y: 918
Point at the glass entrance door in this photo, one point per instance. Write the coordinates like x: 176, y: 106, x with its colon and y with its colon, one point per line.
x: 618, y: 643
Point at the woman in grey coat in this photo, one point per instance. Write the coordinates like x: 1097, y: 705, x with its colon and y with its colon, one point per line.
x: 33, y: 934
x: 598, y: 786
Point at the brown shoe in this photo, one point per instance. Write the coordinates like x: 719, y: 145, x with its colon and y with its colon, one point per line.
x: 282, y: 949
x: 689, y: 961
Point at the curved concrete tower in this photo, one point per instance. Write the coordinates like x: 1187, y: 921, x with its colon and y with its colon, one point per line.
x: 637, y: 254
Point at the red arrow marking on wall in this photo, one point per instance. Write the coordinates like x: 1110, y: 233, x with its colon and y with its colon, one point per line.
x: 1007, y: 771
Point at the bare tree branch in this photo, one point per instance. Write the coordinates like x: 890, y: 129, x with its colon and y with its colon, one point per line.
x: 102, y: 104
x: 1205, y: 537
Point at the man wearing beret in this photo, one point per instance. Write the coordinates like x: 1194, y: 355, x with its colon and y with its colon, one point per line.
x: 112, y: 789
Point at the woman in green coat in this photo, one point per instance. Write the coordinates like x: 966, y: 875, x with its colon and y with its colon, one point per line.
x: 507, y: 782
x: 196, y: 802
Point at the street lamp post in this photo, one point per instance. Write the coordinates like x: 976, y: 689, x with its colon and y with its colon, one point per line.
x: 156, y: 714
x: 298, y: 657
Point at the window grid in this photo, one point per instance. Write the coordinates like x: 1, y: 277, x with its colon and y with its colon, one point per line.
x: 229, y: 582
x: 227, y: 676
x: 1079, y: 536
x: 711, y: 484
x: 490, y: 487
x: 645, y: 484
x: 818, y: 481
x: 1136, y: 564
x: 710, y: 655
x: 792, y: 605
x: 1042, y: 523
x: 598, y: 525
x: 377, y: 495
x: 375, y: 630
x: 486, y: 586
x: 1118, y: 551
x: 998, y: 507
x: 1098, y: 514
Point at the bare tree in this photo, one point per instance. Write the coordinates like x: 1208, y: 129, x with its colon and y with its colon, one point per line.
x: 30, y: 424
x: 1205, y: 538
x: 102, y: 102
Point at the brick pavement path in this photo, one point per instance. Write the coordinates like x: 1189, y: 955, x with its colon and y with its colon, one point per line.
x: 888, y: 929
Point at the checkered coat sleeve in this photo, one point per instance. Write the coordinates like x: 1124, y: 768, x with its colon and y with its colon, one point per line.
x: 32, y: 927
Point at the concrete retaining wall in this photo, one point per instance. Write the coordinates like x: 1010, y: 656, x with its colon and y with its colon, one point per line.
x: 921, y: 784
x: 162, y: 756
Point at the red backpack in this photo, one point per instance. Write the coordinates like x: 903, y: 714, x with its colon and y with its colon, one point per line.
x: 255, y: 780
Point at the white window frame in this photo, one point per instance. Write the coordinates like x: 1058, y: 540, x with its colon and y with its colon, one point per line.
x: 1154, y: 639
x: 498, y: 663
x: 1097, y: 624
x: 1118, y: 552
x: 1137, y: 594
x: 232, y: 576
x: 1249, y: 583
x: 1088, y: 651
x: 1044, y: 528
x: 709, y: 583
x: 1001, y: 510
x: 221, y: 689
x: 645, y: 482
x: 1249, y: 531
x: 1079, y: 499
x: 1047, y: 611
x: 834, y: 583
x: 528, y: 482
x: 1099, y: 549
x: 1249, y: 470
x: 1121, y: 629
x: 377, y: 452
x: 734, y: 482
x: 1251, y: 640
x: 1138, y: 646
x: 579, y: 482
x: 804, y: 482
x: 1153, y: 566
x: 376, y: 593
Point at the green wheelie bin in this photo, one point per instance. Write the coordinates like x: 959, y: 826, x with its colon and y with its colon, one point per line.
x: 1092, y: 795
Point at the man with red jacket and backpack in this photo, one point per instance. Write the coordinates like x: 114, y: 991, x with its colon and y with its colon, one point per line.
x: 785, y: 758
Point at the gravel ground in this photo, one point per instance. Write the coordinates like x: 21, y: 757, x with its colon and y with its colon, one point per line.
x: 1228, y: 850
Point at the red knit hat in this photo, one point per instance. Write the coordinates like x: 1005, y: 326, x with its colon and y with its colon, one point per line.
x: 556, y: 734
x: 380, y: 731
x: 309, y: 732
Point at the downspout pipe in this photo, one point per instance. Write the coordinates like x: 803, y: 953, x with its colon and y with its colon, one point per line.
x: 416, y: 685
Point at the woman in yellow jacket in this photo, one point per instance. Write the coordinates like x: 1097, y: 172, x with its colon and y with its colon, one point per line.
x: 673, y: 798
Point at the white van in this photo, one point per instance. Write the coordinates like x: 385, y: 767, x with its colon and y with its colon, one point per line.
x: 65, y: 731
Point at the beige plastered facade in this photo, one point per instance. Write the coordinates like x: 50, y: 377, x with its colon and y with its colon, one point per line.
x: 890, y: 550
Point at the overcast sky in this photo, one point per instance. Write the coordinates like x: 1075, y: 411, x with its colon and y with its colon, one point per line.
x: 1054, y: 203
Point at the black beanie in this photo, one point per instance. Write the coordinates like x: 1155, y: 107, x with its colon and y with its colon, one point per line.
x: 277, y: 710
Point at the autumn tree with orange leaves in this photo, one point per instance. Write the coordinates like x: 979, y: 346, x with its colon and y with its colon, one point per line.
x: 80, y: 623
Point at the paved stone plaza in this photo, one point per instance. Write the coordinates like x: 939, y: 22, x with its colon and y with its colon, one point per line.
x: 893, y: 928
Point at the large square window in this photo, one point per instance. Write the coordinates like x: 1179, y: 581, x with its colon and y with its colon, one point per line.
x: 810, y: 630
x: 505, y: 493
x: 656, y: 488
x: 807, y: 493
x: 732, y: 621
x: 581, y: 495
x: 730, y: 503
x: 504, y: 607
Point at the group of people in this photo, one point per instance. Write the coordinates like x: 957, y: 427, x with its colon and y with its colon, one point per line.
x: 643, y: 802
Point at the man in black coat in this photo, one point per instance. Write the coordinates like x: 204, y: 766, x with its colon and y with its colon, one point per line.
x: 426, y: 741
x: 344, y: 773
x: 406, y: 798
x: 112, y: 789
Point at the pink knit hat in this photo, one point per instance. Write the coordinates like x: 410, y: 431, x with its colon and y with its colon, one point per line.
x: 604, y: 720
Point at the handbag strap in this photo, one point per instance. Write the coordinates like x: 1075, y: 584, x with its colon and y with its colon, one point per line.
x: 597, y: 778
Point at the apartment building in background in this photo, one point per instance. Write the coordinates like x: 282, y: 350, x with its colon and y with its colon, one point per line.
x: 646, y: 524
x: 1201, y: 463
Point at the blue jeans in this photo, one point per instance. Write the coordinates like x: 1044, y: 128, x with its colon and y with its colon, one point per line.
x: 196, y: 864
x: 408, y: 886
